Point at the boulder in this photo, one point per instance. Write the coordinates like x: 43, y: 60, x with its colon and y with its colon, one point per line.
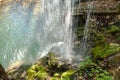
x: 3, y: 75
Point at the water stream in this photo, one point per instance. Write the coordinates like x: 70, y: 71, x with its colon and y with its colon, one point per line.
x: 84, y: 45
x: 29, y: 30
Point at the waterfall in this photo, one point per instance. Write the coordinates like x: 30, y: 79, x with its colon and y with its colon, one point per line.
x: 84, y: 46
x: 30, y: 29
x: 82, y: 14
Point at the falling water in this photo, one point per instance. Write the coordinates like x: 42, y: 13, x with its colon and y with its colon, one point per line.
x: 30, y: 29
x: 84, y: 48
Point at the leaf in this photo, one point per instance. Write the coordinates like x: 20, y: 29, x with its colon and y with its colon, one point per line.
x: 66, y: 75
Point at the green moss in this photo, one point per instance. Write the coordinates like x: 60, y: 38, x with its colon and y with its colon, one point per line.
x: 114, y: 32
x: 99, y: 39
x: 79, y: 32
x: 113, y: 29
x: 104, y: 51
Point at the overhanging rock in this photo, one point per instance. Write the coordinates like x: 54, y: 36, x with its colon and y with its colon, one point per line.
x: 97, y: 6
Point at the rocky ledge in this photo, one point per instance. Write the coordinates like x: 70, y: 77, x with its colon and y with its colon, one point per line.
x: 98, y: 6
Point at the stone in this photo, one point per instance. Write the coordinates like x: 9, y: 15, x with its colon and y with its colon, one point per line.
x: 116, y: 74
x: 3, y: 75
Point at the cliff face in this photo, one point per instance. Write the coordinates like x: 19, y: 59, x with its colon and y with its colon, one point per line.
x: 6, y: 5
x: 98, y: 6
x: 104, y: 32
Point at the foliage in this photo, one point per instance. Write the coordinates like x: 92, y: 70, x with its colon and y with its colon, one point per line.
x: 103, y: 76
x: 46, y: 68
x: 79, y: 32
x: 114, y: 29
x: 87, y: 67
x: 49, y: 60
x: 104, y: 51
x: 91, y: 71
x: 88, y: 62
x: 37, y: 71
x: 66, y: 75
x: 99, y: 39
x: 56, y: 77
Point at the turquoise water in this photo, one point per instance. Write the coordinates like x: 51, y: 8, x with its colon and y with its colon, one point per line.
x: 15, y: 34
x: 26, y: 36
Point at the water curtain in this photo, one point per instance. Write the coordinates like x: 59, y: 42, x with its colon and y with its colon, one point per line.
x: 30, y: 29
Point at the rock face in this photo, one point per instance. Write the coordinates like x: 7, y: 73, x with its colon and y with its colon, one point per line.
x: 6, y: 5
x: 3, y: 75
x: 116, y: 74
x: 98, y: 6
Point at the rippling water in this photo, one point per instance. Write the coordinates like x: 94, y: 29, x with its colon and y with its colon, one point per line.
x: 28, y: 31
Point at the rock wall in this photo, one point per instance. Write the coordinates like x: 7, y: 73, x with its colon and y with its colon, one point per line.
x: 6, y: 5
x: 98, y: 6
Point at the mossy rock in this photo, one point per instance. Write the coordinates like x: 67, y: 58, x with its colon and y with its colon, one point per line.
x: 105, y: 51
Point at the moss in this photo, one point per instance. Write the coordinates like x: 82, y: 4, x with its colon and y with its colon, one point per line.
x: 114, y: 29
x: 104, y: 51
x: 79, y: 32
x: 114, y: 32
x: 103, y: 45
x: 99, y: 39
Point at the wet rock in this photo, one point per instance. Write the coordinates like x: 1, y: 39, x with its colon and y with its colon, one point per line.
x: 18, y: 73
x: 116, y: 74
x: 3, y: 75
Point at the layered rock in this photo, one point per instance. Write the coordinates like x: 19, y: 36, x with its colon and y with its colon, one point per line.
x: 98, y: 6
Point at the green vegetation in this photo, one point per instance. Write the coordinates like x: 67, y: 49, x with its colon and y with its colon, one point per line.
x: 79, y: 32
x: 92, y: 71
x: 114, y: 29
x: 104, y: 51
x: 49, y: 68
x: 99, y: 39
x: 66, y: 75
x: 105, y: 41
x: 88, y: 69
x: 38, y: 72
